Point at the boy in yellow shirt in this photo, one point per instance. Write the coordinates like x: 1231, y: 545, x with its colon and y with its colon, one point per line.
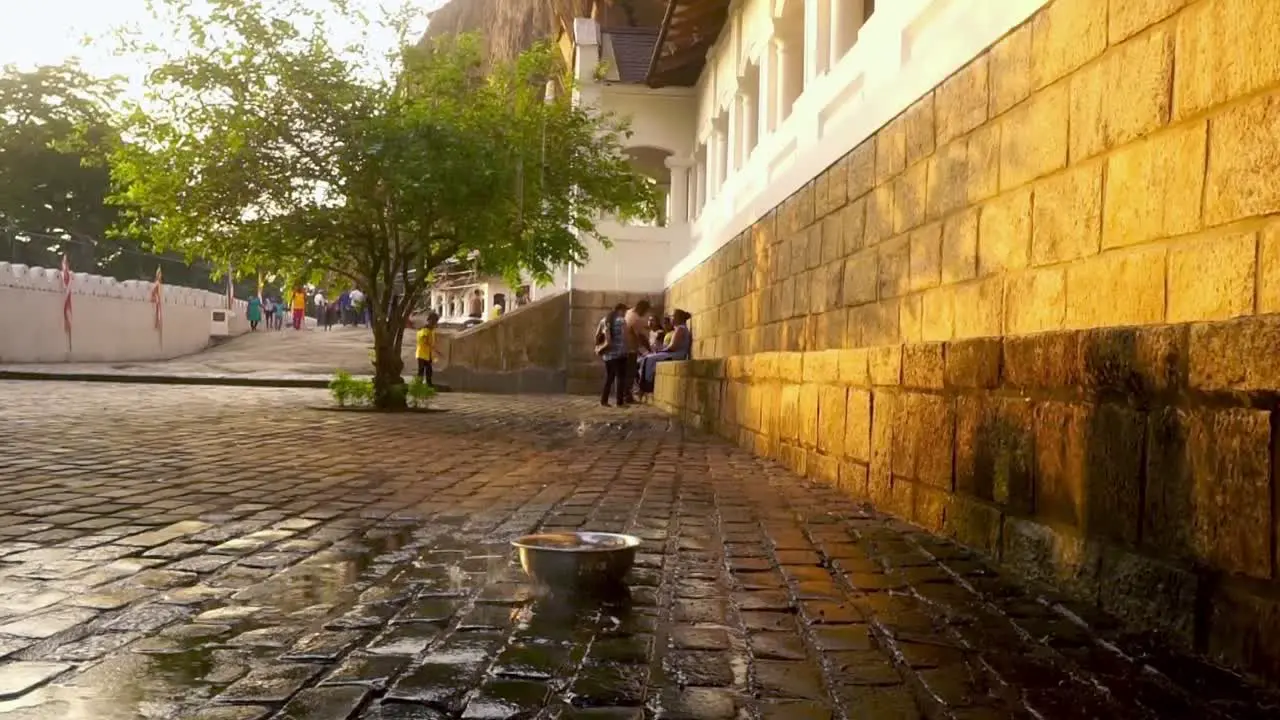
x: 427, y: 347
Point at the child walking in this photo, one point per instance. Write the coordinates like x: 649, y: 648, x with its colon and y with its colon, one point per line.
x: 427, y: 347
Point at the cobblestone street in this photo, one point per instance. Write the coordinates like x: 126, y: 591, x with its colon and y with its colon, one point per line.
x: 235, y: 554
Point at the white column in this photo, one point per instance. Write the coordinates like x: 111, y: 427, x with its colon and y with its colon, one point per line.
x: 749, y: 137
x: 782, y: 107
x: 768, y: 90
x: 817, y: 38
x: 846, y: 18
x: 679, y: 194
x: 700, y: 182
x: 722, y: 155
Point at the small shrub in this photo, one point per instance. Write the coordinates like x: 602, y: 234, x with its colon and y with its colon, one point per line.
x: 362, y: 391
x: 420, y: 393
x: 340, y: 387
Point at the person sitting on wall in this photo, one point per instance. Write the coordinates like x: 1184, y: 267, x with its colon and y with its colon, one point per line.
x: 680, y: 341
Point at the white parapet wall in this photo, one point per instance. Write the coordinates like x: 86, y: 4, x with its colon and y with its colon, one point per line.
x: 111, y: 321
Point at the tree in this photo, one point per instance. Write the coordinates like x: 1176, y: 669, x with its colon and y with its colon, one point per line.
x: 55, y: 132
x: 265, y: 146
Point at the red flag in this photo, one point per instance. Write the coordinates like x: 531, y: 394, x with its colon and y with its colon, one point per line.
x: 157, y: 297
x: 66, y: 301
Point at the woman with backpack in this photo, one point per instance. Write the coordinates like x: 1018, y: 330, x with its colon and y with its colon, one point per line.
x: 612, y: 349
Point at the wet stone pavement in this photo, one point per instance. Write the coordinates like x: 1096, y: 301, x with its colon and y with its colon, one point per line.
x: 233, y: 554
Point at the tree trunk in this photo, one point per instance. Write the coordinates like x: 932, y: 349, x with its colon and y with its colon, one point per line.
x: 389, y: 392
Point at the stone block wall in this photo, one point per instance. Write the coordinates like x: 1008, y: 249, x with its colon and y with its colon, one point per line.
x: 545, y: 347
x: 1032, y: 312
x: 522, y: 351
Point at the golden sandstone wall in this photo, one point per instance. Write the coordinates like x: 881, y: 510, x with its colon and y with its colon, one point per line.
x: 1008, y: 316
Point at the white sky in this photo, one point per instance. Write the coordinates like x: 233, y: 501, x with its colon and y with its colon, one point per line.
x: 38, y: 32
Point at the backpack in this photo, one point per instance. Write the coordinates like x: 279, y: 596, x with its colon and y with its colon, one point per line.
x: 602, y: 336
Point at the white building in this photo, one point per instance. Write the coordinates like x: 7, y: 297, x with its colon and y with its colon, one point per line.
x: 737, y: 104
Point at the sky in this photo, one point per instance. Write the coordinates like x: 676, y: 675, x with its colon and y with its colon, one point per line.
x: 39, y: 32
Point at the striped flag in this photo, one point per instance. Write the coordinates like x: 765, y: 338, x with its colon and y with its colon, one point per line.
x: 157, y: 298
x: 66, y: 300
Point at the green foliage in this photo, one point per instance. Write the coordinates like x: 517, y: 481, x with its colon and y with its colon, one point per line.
x: 275, y: 151
x: 341, y: 387
x: 420, y: 393
x: 347, y: 390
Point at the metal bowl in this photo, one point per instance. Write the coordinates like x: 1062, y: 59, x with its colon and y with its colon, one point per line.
x: 578, y: 560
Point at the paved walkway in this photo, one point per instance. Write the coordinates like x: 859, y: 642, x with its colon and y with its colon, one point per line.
x: 220, y: 554
x: 263, y: 355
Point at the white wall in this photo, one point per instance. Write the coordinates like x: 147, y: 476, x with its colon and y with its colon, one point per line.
x: 111, y: 321
x: 661, y: 118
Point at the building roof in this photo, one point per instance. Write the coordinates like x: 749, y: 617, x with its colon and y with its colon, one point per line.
x: 689, y: 29
x: 631, y: 51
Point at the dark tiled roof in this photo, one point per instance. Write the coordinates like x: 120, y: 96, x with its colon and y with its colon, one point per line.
x: 632, y: 51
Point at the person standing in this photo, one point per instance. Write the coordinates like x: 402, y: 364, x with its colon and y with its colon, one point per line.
x: 636, y: 340
x: 298, y: 304
x: 611, y: 347
x: 426, y: 350
x: 344, y: 307
x: 254, y: 313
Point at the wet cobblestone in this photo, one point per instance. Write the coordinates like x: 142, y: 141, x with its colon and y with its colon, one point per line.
x: 227, y: 554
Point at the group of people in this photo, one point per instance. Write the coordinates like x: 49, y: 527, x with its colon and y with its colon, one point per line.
x: 274, y: 310
x: 632, y: 342
x: 270, y: 311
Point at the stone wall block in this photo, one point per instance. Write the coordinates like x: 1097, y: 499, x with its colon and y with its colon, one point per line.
x: 1244, y: 160
x: 1213, y: 279
x: 1010, y: 76
x: 920, y: 128
x: 1049, y: 360
x: 1154, y: 187
x: 891, y: 150
x: 973, y: 363
x: 1238, y: 355
x: 1004, y: 233
x: 860, y: 279
x: 1114, y: 446
x: 1244, y: 630
x: 1066, y: 35
x: 1033, y: 139
x: 979, y: 308
x: 923, y: 437
x: 808, y: 416
x: 1133, y: 16
x: 885, y: 365
x: 883, y: 428
x: 862, y: 169
x: 1230, y: 48
x: 961, y: 101
x: 982, y: 162
x: 832, y: 408
x: 960, y: 247
x: 909, y: 194
x: 923, y: 365
x: 858, y: 425
x: 1061, y: 453
x: 947, y: 187
x: 1150, y: 593
x: 1036, y: 301
x: 1141, y: 363
x: 1126, y: 287
x: 1066, y: 216
x: 1038, y: 552
x: 1124, y: 96
x: 937, y: 309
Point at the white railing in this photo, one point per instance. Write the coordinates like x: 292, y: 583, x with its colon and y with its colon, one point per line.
x: 905, y: 49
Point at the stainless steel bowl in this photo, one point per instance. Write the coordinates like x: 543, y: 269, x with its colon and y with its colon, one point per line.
x: 577, y: 560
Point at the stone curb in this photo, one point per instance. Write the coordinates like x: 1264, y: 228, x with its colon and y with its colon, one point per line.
x: 142, y: 379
